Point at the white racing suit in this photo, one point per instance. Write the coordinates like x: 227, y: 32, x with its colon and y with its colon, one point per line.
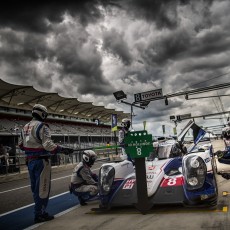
x: 84, y: 181
x: 35, y: 140
x: 224, y: 156
x: 226, y: 137
x: 121, y: 136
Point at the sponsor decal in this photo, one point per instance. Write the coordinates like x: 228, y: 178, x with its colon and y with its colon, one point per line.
x: 27, y: 129
x: 129, y: 184
x: 153, y: 94
x: 151, y: 167
x: 174, y: 181
x: 44, y: 185
x: 150, y: 177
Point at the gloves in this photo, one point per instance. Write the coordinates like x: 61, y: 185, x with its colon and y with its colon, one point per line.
x: 66, y: 151
x: 95, y: 177
x: 219, y: 154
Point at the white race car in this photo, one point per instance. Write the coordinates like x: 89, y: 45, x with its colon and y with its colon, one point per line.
x: 174, y: 174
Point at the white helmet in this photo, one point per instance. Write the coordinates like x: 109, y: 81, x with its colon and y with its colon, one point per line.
x: 39, y: 112
x: 126, y: 123
x: 89, y: 157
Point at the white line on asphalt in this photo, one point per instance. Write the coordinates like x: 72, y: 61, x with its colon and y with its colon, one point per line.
x: 31, y: 204
x: 59, y: 178
x: 57, y: 215
x: 16, y: 210
x: 14, y: 189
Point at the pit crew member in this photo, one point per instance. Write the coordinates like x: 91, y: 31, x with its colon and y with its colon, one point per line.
x: 35, y: 140
x: 84, y: 183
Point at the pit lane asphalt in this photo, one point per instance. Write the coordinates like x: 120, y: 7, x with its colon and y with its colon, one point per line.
x: 162, y: 218
x: 166, y: 218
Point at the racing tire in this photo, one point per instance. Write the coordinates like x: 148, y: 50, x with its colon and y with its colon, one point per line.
x: 215, y: 182
x: 214, y: 165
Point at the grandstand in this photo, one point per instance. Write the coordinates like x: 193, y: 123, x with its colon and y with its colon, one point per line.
x: 72, y: 122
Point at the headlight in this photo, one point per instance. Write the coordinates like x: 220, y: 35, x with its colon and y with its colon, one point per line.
x: 106, y: 177
x: 194, y: 163
x: 194, y: 171
x: 192, y: 181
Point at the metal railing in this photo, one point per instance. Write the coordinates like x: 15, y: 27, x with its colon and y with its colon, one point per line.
x: 17, y: 164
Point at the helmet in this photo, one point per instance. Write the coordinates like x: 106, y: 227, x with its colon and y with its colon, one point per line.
x: 126, y: 123
x: 176, y: 150
x: 39, y: 112
x: 89, y: 157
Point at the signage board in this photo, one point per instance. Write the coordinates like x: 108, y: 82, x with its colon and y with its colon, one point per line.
x: 138, y: 144
x: 184, y: 116
x: 148, y: 96
x: 114, y: 122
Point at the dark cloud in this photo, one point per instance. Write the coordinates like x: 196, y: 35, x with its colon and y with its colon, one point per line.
x: 19, y: 52
x: 38, y: 16
x: 209, y: 66
x: 29, y: 46
x: 114, y: 42
x: 208, y: 45
x: 147, y: 75
x: 166, y: 47
x: 35, y: 16
x: 91, y: 48
x: 163, y: 12
x: 160, y: 109
x: 75, y: 54
x: 80, y: 60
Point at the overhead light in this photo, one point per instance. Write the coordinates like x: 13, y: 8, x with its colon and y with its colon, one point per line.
x: 119, y: 95
x: 166, y: 101
x: 21, y: 103
x: 76, y: 113
x: 61, y: 110
x: 172, y: 118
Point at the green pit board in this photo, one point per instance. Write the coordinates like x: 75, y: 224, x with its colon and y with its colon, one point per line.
x: 138, y: 144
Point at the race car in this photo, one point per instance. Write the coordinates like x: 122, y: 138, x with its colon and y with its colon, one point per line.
x: 175, y: 175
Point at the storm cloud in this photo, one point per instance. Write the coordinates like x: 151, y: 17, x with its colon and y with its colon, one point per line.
x: 91, y: 48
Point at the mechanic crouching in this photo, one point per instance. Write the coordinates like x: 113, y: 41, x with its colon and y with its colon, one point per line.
x: 35, y: 140
x: 84, y: 183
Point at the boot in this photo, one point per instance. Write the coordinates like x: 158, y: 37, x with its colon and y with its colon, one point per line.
x: 42, y: 218
x: 82, y: 201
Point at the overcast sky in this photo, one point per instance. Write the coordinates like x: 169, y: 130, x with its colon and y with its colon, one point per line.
x: 93, y: 48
